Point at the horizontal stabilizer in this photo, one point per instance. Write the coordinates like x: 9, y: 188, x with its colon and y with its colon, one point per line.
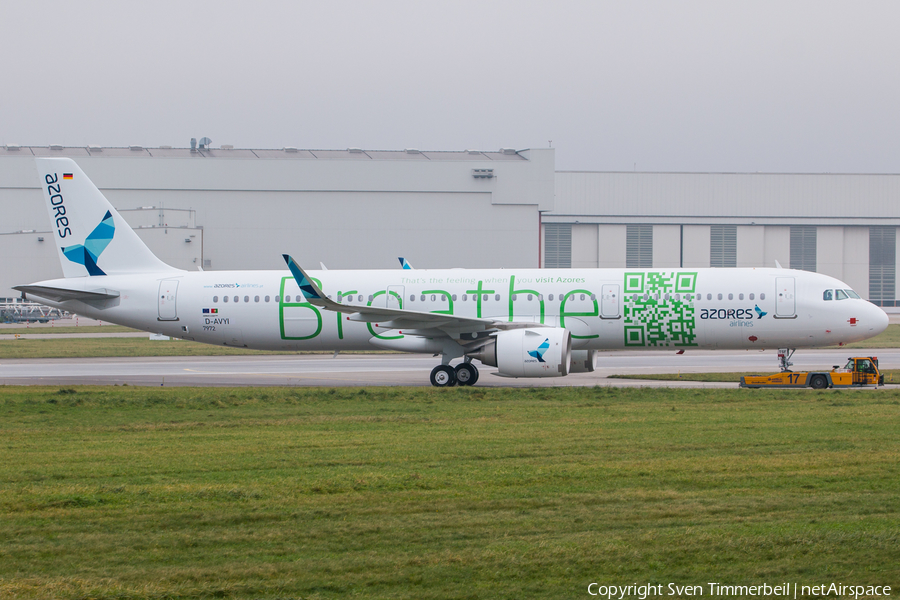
x: 59, y: 294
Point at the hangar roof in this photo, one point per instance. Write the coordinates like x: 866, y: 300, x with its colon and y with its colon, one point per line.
x: 247, y: 153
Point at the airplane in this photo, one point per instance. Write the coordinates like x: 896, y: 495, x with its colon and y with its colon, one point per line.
x: 524, y: 322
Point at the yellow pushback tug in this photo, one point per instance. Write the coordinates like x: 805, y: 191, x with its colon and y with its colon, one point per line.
x: 859, y: 371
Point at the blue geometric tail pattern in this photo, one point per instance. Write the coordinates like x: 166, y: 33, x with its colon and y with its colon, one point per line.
x: 94, y: 245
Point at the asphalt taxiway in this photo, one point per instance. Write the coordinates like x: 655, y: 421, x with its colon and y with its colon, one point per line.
x: 391, y: 369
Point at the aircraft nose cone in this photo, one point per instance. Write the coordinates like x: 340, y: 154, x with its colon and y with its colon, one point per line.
x: 879, y: 319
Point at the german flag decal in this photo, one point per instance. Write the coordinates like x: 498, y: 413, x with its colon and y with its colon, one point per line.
x: 67, y: 176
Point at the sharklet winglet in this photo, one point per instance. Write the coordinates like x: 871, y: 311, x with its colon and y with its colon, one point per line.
x: 307, y: 286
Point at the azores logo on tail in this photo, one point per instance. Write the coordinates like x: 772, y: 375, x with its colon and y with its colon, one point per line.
x: 539, y: 353
x: 94, y: 245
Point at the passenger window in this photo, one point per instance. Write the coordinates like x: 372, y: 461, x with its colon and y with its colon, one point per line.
x: 412, y: 297
x: 720, y: 296
x: 666, y: 297
x: 709, y: 296
x: 731, y: 296
x: 422, y: 297
x: 497, y: 297
x: 751, y: 296
x: 762, y: 296
x: 277, y: 298
x: 852, y: 294
x: 594, y: 297
x: 840, y: 295
x: 453, y: 297
x: 359, y: 298
x: 485, y: 299
x: 551, y: 298
x: 287, y: 298
x: 827, y: 295
x: 371, y: 297
x: 582, y: 297
x: 433, y: 297
x: 236, y: 299
x: 541, y: 297
x: 267, y: 298
x: 465, y: 297
x: 215, y: 299
x: 256, y: 298
x: 646, y: 297
x: 514, y: 297
x: 224, y: 298
x: 529, y: 297
x: 246, y: 298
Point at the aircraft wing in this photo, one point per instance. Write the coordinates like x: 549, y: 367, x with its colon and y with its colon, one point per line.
x: 60, y: 294
x: 396, y: 318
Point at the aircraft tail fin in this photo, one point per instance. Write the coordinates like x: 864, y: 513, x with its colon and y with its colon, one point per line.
x: 92, y: 238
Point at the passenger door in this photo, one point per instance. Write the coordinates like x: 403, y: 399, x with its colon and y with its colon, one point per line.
x: 785, y: 302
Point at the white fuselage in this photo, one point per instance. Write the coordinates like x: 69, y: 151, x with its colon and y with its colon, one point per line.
x: 602, y: 308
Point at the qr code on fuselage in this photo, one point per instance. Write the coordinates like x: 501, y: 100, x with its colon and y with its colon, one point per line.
x: 659, y: 308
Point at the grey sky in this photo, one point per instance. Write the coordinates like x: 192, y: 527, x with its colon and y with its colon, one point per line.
x: 682, y: 86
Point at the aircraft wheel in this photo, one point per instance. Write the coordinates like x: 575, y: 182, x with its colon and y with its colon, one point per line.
x: 443, y: 376
x: 466, y: 374
x: 818, y: 383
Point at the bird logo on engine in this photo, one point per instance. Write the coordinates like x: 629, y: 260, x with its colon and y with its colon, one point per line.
x: 539, y: 353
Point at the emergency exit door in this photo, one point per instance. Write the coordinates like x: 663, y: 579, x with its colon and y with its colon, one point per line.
x: 168, y: 292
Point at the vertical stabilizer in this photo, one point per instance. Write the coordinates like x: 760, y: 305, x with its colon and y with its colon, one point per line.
x: 92, y: 238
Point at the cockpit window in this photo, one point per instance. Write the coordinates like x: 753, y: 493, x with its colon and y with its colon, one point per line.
x: 852, y: 294
x: 827, y: 295
x: 840, y: 295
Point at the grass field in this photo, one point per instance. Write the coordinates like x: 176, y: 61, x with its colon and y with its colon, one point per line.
x: 66, y: 329
x: 420, y: 493
x: 109, y: 347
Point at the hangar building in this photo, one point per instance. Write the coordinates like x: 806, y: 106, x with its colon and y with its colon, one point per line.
x: 229, y: 208
x: 843, y: 225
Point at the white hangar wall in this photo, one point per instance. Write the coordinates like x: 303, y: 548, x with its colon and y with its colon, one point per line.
x: 843, y: 225
x: 241, y: 209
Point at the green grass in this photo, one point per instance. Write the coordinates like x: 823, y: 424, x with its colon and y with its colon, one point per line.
x: 33, y: 330
x: 891, y: 376
x: 108, y: 347
x: 421, y: 493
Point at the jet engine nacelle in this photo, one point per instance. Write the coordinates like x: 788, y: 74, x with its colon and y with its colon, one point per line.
x: 539, y: 352
x: 582, y: 361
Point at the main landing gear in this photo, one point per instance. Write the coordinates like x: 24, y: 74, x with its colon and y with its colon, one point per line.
x: 443, y: 376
